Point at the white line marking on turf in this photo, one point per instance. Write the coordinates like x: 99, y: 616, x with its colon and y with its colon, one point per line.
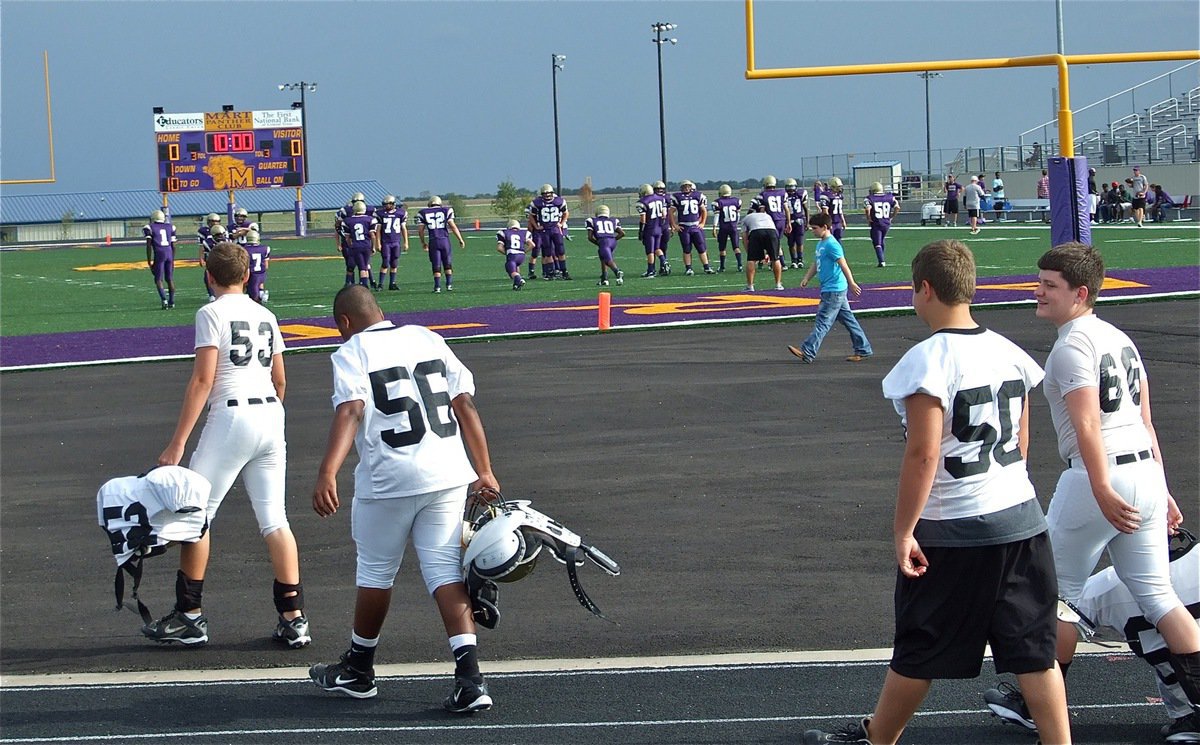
x: 492, y: 727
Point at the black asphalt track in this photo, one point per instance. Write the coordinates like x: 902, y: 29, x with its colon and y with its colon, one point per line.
x: 747, y: 497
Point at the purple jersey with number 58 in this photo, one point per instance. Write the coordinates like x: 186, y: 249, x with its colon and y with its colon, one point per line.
x: 882, y: 207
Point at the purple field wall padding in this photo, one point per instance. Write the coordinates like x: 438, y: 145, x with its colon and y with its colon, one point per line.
x: 1070, y: 212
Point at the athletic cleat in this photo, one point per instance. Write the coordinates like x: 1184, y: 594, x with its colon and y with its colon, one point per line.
x: 293, y: 633
x: 164, y: 305
x: 548, y: 277
x: 855, y: 732
x: 170, y: 306
x: 778, y: 286
x: 342, y: 678
x: 533, y: 275
x: 212, y: 298
x: 449, y: 287
x: 800, y: 353
x: 266, y: 296
x: 709, y: 270
x: 437, y: 291
x: 1183, y: 729
x: 620, y: 277
x: 1006, y: 702
x: 688, y: 272
x: 468, y: 697
x: 602, y: 283
x: 666, y: 270
x: 176, y: 627
x: 393, y: 286
x: 881, y: 265
x: 799, y: 264
x: 721, y: 270
x: 749, y: 288
x: 566, y: 275
x: 783, y: 267
x: 648, y: 274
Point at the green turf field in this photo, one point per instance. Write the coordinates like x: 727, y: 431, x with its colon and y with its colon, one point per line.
x: 82, y: 288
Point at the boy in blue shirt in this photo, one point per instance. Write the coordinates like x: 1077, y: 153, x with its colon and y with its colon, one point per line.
x: 835, y: 277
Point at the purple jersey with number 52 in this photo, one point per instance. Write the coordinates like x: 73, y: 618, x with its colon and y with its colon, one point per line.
x: 437, y: 220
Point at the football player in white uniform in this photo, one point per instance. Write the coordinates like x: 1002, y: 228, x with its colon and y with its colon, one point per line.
x: 975, y: 565
x: 405, y: 402
x: 1113, y: 495
x: 239, y: 374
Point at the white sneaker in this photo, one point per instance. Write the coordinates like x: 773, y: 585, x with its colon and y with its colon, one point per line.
x: 266, y: 296
x: 779, y: 287
x: 212, y: 298
x: 749, y: 288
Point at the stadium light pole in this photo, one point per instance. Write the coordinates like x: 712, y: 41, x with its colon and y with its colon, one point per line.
x: 928, y: 140
x: 302, y: 86
x: 658, y: 29
x: 556, y: 64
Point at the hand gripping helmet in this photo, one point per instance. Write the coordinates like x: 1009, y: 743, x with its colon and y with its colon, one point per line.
x: 659, y: 187
x: 435, y: 201
x: 212, y: 219
x: 769, y: 182
x: 876, y: 187
x: 726, y: 190
x: 645, y: 190
x: 790, y: 184
x: 603, y: 211
x: 240, y: 216
x: 503, y: 542
x: 158, y: 216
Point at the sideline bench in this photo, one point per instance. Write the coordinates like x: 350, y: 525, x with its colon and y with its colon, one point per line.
x: 1030, y: 207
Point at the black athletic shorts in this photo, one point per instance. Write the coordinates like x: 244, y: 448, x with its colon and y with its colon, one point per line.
x: 952, y: 206
x: 762, y: 244
x: 1139, y: 203
x: 1004, y: 595
x: 973, y: 212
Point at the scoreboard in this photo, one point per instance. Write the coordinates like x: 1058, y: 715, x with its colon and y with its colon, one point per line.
x: 224, y: 150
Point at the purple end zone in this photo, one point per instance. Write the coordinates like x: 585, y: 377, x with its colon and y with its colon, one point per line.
x: 129, y: 344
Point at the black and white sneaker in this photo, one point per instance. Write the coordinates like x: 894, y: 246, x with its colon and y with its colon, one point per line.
x: 1006, y: 702
x: 293, y: 633
x: 178, y: 628
x: 467, y: 697
x: 620, y: 277
x: 688, y: 272
x: 1183, y: 729
x: 342, y: 678
x: 855, y: 732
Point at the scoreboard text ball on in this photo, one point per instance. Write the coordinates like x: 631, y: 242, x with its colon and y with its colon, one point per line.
x: 225, y: 150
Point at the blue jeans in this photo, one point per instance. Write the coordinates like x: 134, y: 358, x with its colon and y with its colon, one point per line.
x: 834, y: 306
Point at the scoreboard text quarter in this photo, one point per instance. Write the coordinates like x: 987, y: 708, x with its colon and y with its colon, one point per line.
x: 225, y: 150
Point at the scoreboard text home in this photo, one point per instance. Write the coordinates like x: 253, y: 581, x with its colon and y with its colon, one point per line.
x: 224, y: 150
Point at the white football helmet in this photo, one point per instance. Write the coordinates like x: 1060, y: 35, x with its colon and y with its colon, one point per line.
x: 213, y: 219
x: 645, y: 190
x: 218, y: 232
x: 547, y: 190
x: 360, y: 208
x: 835, y: 183
x: 686, y: 187
x: 240, y: 216
x: 358, y: 197
x: 726, y: 190
x: 514, y: 224
x: 659, y: 187
x: 503, y: 541
x: 435, y: 201
x: 158, y: 216
x: 790, y: 184
x: 389, y: 201
x: 602, y: 211
x: 252, y: 237
x: 876, y: 188
x: 769, y: 182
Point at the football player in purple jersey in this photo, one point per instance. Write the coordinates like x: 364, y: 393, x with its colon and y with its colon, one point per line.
x: 797, y: 203
x: 880, y: 208
x: 392, y: 235
x: 362, y: 240
x: 950, y: 208
x: 775, y: 200
x: 833, y: 204
x: 605, y: 230
x: 241, y: 225
x: 340, y: 238
x: 535, y: 235
x: 260, y: 258
x: 216, y: 234
x: 548, y: 212
x: 511, y: 242
x: 688, y: 215
x: 725, y: 229
x: 438, y: 220
x: 160, y: 255
x: 652, y: 226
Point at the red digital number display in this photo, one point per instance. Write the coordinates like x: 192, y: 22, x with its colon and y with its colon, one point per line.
x: 230, y: 142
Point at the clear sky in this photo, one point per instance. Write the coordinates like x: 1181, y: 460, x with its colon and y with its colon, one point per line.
x: 456, y: 96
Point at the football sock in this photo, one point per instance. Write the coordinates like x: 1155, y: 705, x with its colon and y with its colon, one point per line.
x: 466, y: 657
x: 707, y: 267
x: 562, y: 265
x: 362, y: 653
x: 437, y: 283
x: 364, y: 281
x: 161, y: 295
x: 1187, y: 671
x: 171, y: 297
x: 349, y: 278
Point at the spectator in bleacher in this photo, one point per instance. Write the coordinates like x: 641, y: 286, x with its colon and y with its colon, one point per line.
x: 1093, y: 194
x: 1162, y: 201
x: 998, y: 196
x: 972, y: 197
x: 1043, y: 192
x: 950, y: 208
x: 1139, y: 185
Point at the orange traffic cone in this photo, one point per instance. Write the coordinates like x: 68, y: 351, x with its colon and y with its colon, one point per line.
x: 108, y: 239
